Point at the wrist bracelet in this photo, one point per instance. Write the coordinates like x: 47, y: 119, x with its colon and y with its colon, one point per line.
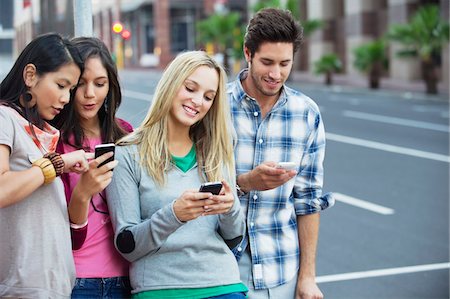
x: 239, y: 191
x: 78, y: 226
x: 48, y: 170
x: 57, y: 161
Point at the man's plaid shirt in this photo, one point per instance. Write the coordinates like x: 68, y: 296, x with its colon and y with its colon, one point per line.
x: 291, y: 131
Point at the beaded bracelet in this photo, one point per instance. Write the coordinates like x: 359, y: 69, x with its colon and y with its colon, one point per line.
x: 57, y: 162
x: 47, y: 169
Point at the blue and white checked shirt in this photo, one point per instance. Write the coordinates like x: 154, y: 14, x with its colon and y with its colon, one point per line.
x: 291, y: 131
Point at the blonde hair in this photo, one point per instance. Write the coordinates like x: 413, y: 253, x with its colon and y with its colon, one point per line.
x: 212, y: 136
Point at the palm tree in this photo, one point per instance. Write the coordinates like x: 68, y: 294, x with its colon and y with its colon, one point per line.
x: 370, y: 58
x: 423, y: 37
x: 328, y: 64
x: 221, y: 29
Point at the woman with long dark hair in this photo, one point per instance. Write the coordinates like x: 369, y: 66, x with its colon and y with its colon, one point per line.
x: 35, y: 251
x: 88, y: 120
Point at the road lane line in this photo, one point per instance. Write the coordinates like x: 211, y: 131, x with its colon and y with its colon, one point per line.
x: 381, y: 272
x: 363, y: 204
x: 137, y: 95
x: 395, y: 121
x: 388, y: 147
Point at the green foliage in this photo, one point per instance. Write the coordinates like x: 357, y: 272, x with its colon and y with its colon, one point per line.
x: 238, y: 42
x: 293, y: 7
x: 266, y: 3
x: 328, y: 63
x: 218, y: 29
x: 369, y: 54
x: 424, y: 35
x: 309, y: 26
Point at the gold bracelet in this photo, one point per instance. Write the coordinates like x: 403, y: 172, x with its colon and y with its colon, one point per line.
x: 48, y: 170
x: 57, y: 161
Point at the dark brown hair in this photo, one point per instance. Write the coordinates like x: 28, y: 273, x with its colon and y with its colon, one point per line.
x: 67, y: 121
x: 48, y: 53
x: 272, y: 25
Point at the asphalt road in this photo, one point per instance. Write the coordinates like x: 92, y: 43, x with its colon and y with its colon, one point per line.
x: 388, y: 162
x: 392, y: 151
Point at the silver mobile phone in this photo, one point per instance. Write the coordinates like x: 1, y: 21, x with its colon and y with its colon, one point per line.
x: 287, y: 165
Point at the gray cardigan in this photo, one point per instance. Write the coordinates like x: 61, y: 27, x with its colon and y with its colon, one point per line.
x: 164, y: 252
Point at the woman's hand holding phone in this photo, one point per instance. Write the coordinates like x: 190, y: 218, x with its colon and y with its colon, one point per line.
x: 222, y: 202
x: 97, y: 178
x: 190, y: 204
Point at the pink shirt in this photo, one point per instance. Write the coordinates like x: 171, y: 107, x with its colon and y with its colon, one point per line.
x: 97, y: 257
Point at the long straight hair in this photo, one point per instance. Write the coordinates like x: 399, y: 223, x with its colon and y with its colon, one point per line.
x: 211, y: 135
x: 68, y: 120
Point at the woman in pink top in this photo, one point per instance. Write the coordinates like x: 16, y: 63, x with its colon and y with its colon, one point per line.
x: 89, y: 120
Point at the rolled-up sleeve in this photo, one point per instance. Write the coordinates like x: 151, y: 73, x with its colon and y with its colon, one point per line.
x: 308, y: 197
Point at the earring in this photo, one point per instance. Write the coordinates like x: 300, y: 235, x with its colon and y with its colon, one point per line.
x: 26, y: 100
x: 105, y: 103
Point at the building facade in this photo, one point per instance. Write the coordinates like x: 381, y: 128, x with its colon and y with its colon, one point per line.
x: 162, y: 28
x: 6, y: 28
x: 350, y: 23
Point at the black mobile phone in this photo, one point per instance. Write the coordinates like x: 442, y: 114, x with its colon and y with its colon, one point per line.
x: 103, y: 149
x: 213, y: 187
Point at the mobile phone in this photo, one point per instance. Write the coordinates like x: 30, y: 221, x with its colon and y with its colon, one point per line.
x: 103, y: 149
x: 287, y: 165
x: 213, y: 187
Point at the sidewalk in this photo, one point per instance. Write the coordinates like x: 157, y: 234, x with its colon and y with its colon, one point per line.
x: 398, y: 88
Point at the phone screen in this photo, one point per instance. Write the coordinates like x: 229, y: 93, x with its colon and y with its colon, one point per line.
x: 103, y: 149
x: 213, y: 187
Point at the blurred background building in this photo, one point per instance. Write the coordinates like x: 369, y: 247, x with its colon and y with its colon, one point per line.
x: 156, y: 30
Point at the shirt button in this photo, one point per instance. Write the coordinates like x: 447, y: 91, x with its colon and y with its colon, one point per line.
x: 255, y: 113
x: 255, y: 197
x: 252, y: 224
x: 261, y: 141
x: 239, y: 249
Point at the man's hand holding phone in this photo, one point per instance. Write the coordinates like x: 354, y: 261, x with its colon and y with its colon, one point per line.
x: 266, y: 176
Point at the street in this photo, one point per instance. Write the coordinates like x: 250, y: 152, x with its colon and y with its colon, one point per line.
x: 387, y: 160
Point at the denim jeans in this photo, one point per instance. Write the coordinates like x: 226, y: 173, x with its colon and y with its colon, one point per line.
x: 237, y: 295
x: 107, y: 288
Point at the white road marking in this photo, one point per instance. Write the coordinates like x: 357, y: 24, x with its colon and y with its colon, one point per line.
x: 388, y: 147
x: 426, y: 108
x: 137, y: 95
x: 363, y: 204
x: 396, y: 121
x: 381, y: 272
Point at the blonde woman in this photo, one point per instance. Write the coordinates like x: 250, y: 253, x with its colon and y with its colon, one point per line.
x: 177, y: 238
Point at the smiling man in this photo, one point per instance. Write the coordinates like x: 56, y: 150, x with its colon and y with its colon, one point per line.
x: 275, y: 123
